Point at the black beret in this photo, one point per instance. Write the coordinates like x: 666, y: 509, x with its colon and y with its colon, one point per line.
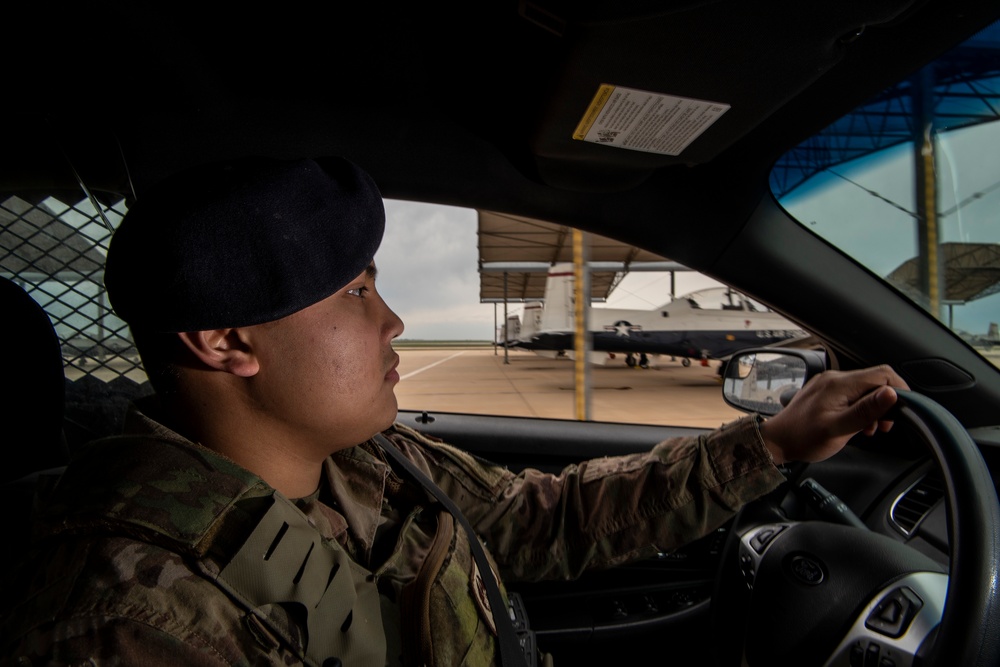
x: 241, y: 243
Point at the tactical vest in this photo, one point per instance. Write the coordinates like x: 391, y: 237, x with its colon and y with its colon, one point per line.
x: 258, y: 547
x: 244, y: 536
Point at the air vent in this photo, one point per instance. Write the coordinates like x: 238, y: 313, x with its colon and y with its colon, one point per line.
x: 913, y: 504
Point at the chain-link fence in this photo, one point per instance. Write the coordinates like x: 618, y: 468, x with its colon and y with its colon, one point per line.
x: 56, y: 251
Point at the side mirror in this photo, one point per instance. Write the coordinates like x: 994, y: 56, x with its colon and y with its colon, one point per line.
x: 764, y: 380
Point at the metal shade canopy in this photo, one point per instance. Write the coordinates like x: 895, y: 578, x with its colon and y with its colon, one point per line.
x: 523, y: 249
x: 971, y: 271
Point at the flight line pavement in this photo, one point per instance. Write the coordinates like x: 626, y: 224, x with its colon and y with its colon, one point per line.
x: 481, y: 380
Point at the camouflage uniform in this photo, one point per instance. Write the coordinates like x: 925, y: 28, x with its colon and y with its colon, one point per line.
x: 131, y: 550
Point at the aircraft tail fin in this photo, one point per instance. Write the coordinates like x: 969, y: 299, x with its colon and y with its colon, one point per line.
x: 993, y: 333
x: 531, y: 321
x: 507, y: 334
x: 557, y: 315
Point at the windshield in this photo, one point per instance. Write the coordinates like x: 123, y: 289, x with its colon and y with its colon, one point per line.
x: 909, y: 186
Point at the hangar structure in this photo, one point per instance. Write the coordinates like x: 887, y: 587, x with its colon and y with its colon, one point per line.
x: 515, y: 254
x: 960, y: 91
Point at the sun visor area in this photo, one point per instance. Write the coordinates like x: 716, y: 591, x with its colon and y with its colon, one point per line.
x: 631, y: 100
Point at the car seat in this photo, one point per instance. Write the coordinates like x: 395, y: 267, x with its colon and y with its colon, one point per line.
x: 33, y: 398
x: 32, y: 403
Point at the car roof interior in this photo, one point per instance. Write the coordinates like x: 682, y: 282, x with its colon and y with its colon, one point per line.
x: 475, y: 104
x: 129, y: 94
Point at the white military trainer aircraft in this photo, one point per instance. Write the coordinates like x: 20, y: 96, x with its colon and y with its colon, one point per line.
x: 706, y: 324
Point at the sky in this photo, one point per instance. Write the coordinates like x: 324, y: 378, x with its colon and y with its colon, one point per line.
x: 427, y: 272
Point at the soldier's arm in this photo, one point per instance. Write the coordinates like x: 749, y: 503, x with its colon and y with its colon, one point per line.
x: 611, y: 510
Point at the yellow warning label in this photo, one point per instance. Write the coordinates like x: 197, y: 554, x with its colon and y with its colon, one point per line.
x: 593, y: 111
x: 641, y: 120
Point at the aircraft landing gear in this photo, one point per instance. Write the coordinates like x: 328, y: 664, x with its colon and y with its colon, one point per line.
x: 685, y: 362
x: 631, y: 362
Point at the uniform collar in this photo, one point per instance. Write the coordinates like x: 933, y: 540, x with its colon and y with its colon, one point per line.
x: 185, y: 488
x: 357, y: 481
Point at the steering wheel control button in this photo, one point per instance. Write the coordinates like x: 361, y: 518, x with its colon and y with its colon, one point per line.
x: 892, y: 615
x: 763, y: 537
x: 806, y: 569
x: 871, y: 655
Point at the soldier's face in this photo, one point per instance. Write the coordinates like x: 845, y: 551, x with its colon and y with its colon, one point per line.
x: 328, y: 371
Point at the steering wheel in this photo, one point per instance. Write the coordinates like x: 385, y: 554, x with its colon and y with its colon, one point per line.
x: 816, y: 593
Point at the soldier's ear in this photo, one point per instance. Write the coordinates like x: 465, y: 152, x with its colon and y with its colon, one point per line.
x: 227, y: 350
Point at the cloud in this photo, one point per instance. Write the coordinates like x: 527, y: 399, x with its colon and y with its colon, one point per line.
x: 428, y: 271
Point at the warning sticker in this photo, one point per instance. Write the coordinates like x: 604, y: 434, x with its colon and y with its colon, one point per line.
x: 643, y: 121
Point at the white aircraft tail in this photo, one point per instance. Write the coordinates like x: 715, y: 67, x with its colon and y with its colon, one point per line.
x: 511, y: 332
x: 557, y: 315
x: 531, y: 320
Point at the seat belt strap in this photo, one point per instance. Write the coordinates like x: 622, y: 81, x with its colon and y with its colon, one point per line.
x: 511, y: 651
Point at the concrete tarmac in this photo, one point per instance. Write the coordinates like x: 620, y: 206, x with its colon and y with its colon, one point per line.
x: 484, y: 381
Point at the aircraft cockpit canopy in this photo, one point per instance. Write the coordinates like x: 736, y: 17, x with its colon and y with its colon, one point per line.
x: 723, y: 298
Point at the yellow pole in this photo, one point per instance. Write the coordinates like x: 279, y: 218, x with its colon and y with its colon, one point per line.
x: 931, y: 225
x: 930, y: 278
x: 581, y: 319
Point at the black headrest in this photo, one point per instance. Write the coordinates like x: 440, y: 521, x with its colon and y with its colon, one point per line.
x: 33, y: 394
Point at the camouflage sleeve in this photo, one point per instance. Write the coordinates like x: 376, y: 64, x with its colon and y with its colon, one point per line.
x: 114, y: 601
x: 108, y: 641
x: 606, y: 511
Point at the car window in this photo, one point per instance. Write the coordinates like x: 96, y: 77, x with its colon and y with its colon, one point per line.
x: 54, y: 246
x: 908, y: 185
x: 453, y: 357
